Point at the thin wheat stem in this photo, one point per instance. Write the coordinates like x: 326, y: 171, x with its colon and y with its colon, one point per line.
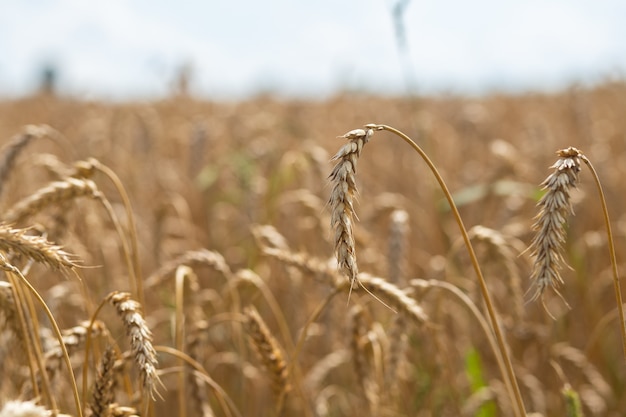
x: 609, y: 233
x: 182, y: 273
x: 484, y: 325
x: 468, y: 244
x: 12, y: 269
x: 222, y: 397
x: 132, y: 228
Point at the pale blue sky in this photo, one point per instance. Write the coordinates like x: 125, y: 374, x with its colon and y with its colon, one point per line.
x: 130, y: 49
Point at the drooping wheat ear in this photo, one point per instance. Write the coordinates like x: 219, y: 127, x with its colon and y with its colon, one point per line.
x: 37, y: 248
x: 53, y: 194
x: 270, y: 353
x: 554, y: 208
x: 319, y: 269
x: 398, y: 230
x: 103, y: 394
x: 266, y: 236
x: 343, y: 182
x: 9, y: 153
x: 394, y: 296
x: 501, y: 245
x: 73, y: 340
x: 140, y: 339
x: 191, y: 259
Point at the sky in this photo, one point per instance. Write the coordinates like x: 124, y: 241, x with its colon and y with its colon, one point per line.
x: 119, y: 49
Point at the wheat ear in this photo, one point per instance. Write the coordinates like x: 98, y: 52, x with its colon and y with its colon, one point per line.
x: 54, y: 193
x: 103, y: 394
x: 8, y: 310
x: 11, y: 150
x: 554, y: 208
x: 37, y: 248
x: 140, y: 339
x: 343, y: 181
x: 270, y: 353
x: 191, y: 259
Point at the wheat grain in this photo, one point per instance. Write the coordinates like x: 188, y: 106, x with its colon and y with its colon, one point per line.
x: 554, y: 208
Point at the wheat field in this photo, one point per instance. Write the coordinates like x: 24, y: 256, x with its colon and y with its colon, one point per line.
x: 196, y: 258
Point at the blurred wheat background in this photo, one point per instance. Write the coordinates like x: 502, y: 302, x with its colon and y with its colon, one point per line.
x: 175, y: 254
x: 229, y: 198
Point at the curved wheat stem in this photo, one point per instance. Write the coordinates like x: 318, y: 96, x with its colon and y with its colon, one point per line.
x: 616, y: 279
x: 520, y: 409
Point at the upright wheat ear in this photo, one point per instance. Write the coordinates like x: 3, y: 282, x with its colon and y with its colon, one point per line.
x: 554, y: 208
x: 342, y: 198
x: 140, y: 340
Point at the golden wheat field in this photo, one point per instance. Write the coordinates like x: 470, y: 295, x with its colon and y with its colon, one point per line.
x: 178, y: 257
